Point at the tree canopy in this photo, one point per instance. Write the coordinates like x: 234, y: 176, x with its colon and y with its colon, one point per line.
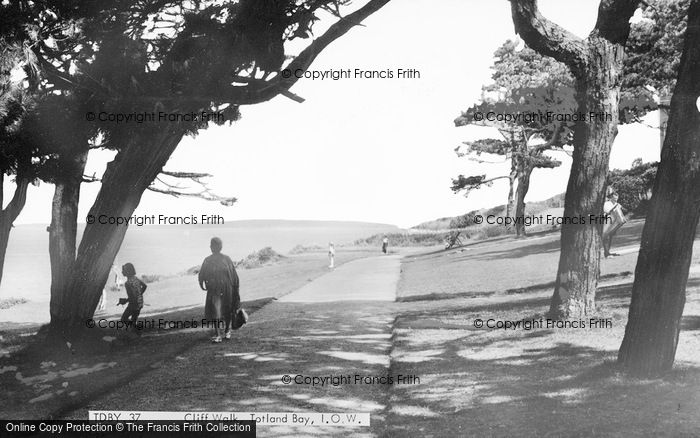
x: 654, y: 48
x: 151, y: 56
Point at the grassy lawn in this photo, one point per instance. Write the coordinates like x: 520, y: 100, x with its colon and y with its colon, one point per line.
x: 538, y: 382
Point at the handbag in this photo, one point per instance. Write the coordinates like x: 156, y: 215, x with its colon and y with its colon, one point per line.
x: 618, y: 219
x: 240, y: 318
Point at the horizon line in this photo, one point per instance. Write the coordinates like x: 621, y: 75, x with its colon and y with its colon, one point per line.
x: 227, y: 221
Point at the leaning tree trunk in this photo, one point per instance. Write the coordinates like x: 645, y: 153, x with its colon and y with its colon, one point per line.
x: 523, y: 187
x: 63, y: 229
x: 9, y: 214
x: 598, y: 94
x: 658, y: 293
x: 510, y: 206
x: 126, y: 178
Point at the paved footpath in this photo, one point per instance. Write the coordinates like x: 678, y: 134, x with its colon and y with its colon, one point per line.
x: 339, y: 324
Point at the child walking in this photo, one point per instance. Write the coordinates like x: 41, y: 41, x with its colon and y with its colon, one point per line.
x: 134, y: 290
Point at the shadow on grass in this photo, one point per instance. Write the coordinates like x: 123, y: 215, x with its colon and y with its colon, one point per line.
x: 551, y: 284
x: 524, y: 249
x: 443, y: 296
x: 46, y: 380
x: 628, y: 235
x: 690, y: 322
x: 472, y: 244
x: 541, y: 382
x: 300, y: 340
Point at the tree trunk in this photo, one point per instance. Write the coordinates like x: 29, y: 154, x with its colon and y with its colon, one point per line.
x: 598, y: 94
x: 5, y: 228
x: 512, y: 178
x: 523, y: 187
x: 658, y: 293
x: 126, y: 178
x: 9, y: 214
x: 64, y: 228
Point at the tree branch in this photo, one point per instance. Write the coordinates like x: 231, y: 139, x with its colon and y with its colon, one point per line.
x: 475, y: 182
x: 90, y: 178
x: 16, y: 204
x: 490, y: 180
x: 555, y: 136
x: 258, y: 91
x: 613, y: 21
x: 547, y: 37
x: 303, y: 61
x: 174, y: 190
x: 481, y: 161
x: 204, y: 194
x: 190, y: 175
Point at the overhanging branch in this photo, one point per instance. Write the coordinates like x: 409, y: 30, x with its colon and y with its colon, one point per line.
x: 547, y: 37
x: 613, y: 21
x: 258, y: 91
x: 197, y: 177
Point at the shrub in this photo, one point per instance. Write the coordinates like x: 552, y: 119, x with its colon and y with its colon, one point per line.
x: 404, y: 239
x: 12, y: 301
x: 151, y: 278
x: 633, y: 186
x: 259, y: 258
x: 301, y: 249
x: 463, y: 221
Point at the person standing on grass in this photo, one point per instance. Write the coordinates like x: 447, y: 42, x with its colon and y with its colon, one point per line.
x: 331, y: 255
x: 219, y: 278
x: 134, y: 291
x: 616, y: 221
x: 385, y: 244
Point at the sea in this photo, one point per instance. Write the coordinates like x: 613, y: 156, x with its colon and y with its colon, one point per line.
x: 172, y: 249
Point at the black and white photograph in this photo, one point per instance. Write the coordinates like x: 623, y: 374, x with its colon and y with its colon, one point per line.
x: 350, y: 218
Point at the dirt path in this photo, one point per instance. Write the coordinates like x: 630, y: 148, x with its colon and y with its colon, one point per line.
x: 338, y: 325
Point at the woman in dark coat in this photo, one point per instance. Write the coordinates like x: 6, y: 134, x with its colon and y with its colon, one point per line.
x: 219, y: 278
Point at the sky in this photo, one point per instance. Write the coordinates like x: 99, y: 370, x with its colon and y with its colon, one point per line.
x: 374, y: 150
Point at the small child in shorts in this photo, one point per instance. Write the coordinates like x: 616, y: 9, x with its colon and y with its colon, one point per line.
x: 134, y: 290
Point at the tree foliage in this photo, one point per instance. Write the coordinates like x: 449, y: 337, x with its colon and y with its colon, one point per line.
x: 525, y: 86
x: 634, y: 185
x: 515, y: 67
x: 526, y: 82
x: 528, y: 102
x: 654, y: 48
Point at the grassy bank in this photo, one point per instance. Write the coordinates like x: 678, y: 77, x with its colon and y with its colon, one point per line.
x: 408, y: 239
x: 537, y: 382
x: 437, y: 232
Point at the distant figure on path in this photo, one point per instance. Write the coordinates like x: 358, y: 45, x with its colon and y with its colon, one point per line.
x: 617, y: 220
x: 134, y: 291
x: 331, y: 255
x: 219, y: 278
x: 385, y: 244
